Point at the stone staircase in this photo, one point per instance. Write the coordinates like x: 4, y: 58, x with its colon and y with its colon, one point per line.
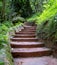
x: 25, y: 44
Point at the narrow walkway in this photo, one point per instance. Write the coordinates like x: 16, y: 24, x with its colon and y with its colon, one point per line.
x: 27, y: 49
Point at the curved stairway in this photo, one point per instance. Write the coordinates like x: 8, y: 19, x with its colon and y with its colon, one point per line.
x: 25, y: 44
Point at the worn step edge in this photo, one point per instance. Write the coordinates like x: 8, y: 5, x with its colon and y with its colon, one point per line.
x: 26, y: 44
x: 25, y: 39
x: 25, y: 33
x: 24, y: 36
x: 31, y: 53
x: 28, y: 30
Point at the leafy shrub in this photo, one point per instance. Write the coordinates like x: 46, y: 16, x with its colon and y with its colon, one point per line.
x: 1, y: 63
x: 6, y: 57
x: 3, y: 29
x: 48, y: 30
x: 48, y: 12
x: 8, y: 24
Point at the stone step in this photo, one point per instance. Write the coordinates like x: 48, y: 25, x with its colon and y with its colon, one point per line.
x: 26, y: 44
x: 24, y: 39
x: 28, y: 30
x: 30, y: 52
x: 30, y: 26
x: 25, y: 33
x: 24, y: 36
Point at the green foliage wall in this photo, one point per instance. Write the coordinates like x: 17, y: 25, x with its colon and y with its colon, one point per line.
x: 22, y: 7
x: 37, y: 5
x: 49, y: 11
x: 47, y: 28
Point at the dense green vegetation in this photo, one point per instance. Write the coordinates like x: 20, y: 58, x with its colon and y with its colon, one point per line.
x: 15, y: 12
x: 47, y: 21
x: 48, y: 27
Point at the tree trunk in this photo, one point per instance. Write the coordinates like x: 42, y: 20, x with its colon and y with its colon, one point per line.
x: 3, y: 10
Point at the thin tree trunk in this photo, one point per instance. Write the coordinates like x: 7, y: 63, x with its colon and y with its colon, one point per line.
x: 3, y: 10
